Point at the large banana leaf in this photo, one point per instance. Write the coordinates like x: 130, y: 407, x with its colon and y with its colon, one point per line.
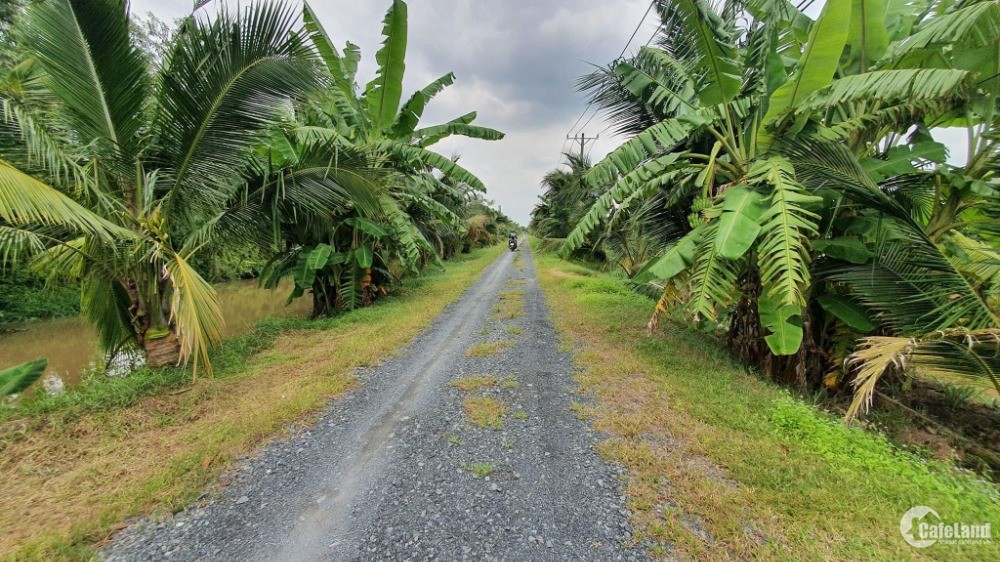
x: 647, y: 178
x: 413, y: 109
x: 738, y: 226
x: 713, y: 277
x: 654, y: 141
x: 906, y: 86
x: 818, y: 63
x: 664, y: 98
x: 786, y: 224
x: 970, y: 27
x: 384, y: 93
x: 868, y: 37
x: 430, y: 135
x: 336, y: 65
x: 423, y: 157
x: 784, y: 322
x: 847, y: 311
x: 676, y: 259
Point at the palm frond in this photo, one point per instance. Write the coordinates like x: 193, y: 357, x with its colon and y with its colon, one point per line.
x: 950, y: 353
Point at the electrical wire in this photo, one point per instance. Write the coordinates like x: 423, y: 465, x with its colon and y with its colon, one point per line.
x: 573, y: 129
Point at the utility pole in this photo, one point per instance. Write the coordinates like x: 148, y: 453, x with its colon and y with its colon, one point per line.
x: 583, y: 140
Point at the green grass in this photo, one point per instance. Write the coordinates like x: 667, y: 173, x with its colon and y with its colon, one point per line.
x: 479, y: 470
x: 710, y: 445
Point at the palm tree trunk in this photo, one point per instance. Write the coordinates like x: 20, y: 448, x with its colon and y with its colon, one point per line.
x: 162, y: 351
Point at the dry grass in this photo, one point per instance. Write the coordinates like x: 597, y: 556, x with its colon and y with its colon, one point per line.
x: 709, y: 478
x: 487, y: 349
x: 69, y: 485
x: 469, y: 384
x: 485, y: 412
x: 511, y: 304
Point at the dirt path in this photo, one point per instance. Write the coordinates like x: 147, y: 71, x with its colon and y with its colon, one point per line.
x: 398, y: 470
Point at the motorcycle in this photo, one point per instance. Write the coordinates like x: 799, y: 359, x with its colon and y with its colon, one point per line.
x: 512, y: 244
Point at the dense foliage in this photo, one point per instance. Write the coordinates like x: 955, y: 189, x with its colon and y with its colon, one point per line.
x: 798, y: 194
x: 146, y: 163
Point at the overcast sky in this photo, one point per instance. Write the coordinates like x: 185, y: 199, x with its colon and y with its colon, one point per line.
x: 516, y: 62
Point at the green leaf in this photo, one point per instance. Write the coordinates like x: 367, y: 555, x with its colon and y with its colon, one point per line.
x: 819, y: 61
x: 652, y: 142
x: 786, y: 224
x: 846, y: 248
x: 424, y: 157
x: 384, y: 93
x: 969, y: 29
x: 316, y: 259
x: 889, y: 86
x: 715, y: 50
x: 738, y: 228
x: 868, y: 37
x: 364, y: 254
x: 677, y: 258
x: 25, y: 201
x: 430, y: 135
x: 784, y: 321
x: 16, y: 379
x: 367, y: 226
x: 900, y: 159
x: 92, y: 66
x: 409, y: 115
x: 847, y: 311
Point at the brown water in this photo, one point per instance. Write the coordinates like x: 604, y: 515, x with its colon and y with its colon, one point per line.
x: 70, y: 344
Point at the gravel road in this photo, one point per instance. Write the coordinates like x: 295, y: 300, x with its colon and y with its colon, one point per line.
x: 396, y: 470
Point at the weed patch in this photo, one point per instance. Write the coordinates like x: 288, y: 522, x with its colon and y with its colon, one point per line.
x: 479, y: 470
x: 487, y: 349
x: 485, y: 412
x: 473, y: 383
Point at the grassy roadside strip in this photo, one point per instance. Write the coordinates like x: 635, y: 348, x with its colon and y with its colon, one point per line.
x: 75, y: 468
x: 724, y: 465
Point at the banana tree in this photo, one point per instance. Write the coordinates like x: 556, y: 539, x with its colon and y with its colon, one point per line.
x: 350, y: 258
x: 162, y: 153
x: 770, y: 128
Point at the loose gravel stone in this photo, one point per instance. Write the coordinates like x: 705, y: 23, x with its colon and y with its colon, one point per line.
x: 395, y: 471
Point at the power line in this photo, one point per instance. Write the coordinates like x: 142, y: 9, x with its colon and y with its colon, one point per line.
x: 622, y: 54
x: 642, y: 21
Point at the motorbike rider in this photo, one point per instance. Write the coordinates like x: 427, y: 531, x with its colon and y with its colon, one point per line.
x: 512, y: 242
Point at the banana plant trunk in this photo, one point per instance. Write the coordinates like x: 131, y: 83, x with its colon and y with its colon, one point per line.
x: 746, y: 334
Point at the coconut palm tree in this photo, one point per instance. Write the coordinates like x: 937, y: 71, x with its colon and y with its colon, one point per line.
x: 159, y: 154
